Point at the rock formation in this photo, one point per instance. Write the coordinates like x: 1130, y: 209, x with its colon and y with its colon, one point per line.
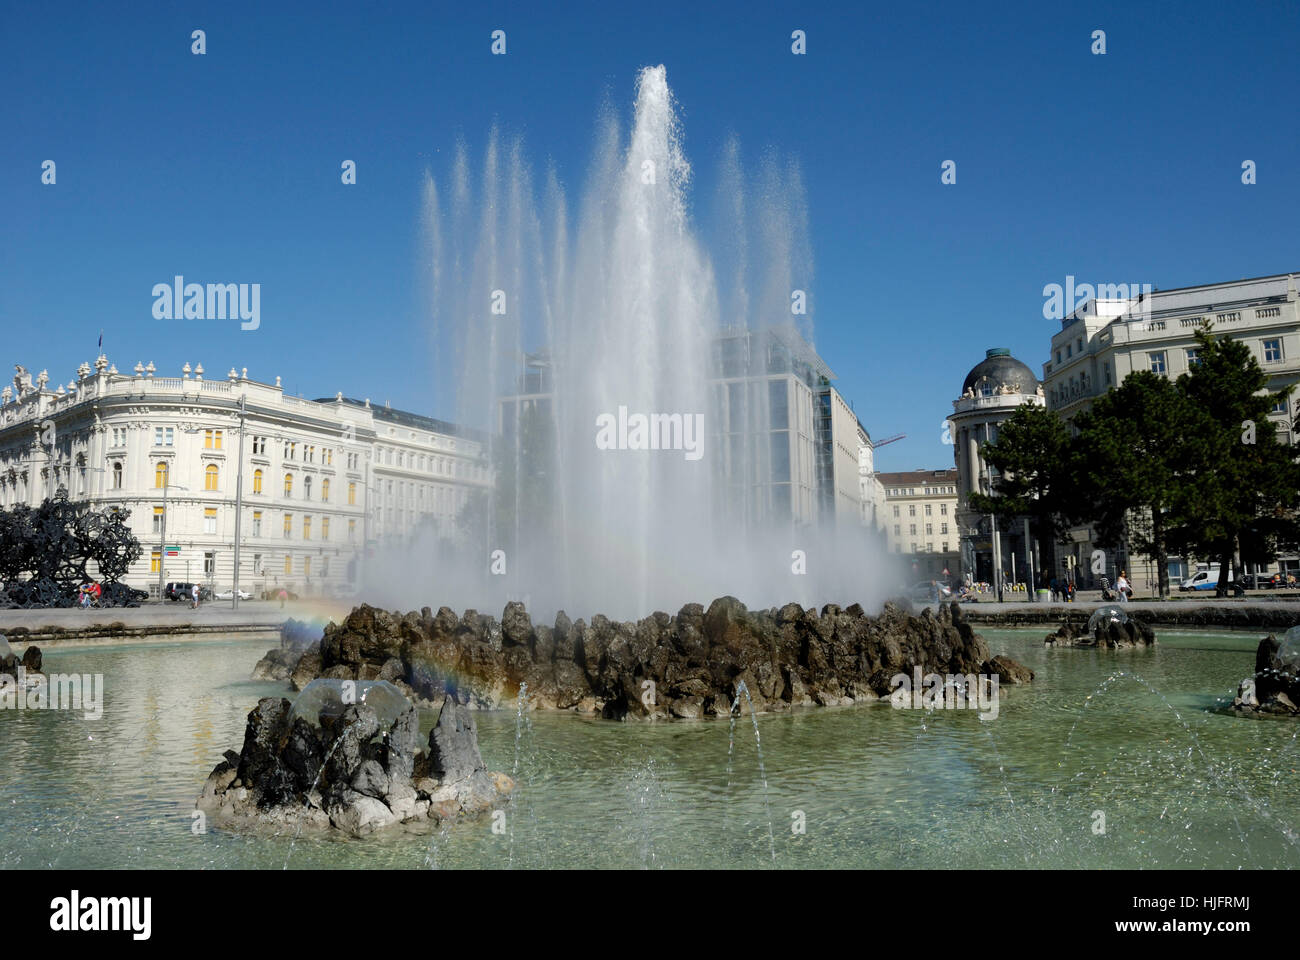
x: 31, y: 661
x: 1275, y: 686
x: 1109, y: 633
x: 351, y: 766
x: 296, y: 638
x: 683, y: 666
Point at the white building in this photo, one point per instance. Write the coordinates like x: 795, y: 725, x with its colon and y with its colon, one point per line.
x: 323, y: 481
x: 990, y: 394
x: 922, y: 520
x: 1104, y: 340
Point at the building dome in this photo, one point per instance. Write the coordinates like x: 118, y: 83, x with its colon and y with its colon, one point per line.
x: 1000, y: 372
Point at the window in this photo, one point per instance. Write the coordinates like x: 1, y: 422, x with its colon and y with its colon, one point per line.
x: 329, y: 456
x: 288, y: 563
x: 164, y: 436
x: 943, y: 509
x: 306, y: 566
x: 257, y: 481
x: 157, y: 520
x: 288, y: 525
x: 325, y: 490
x: 306, y: 528
x: 306, y: 488
x: 257, y: 523
x: 209, y: 563
x: 212, y: 439
x: 897, y: 530
x: 288, y: 484
x: 352, y: 531
x: 159, y: 474
x: 155, y: 562
x: 325, y: 528
x: 943, y: 528
x: 259, y: 446
x: 895, y: 509
x: 352, y: 494
x: 1193, y: 358
x: 929, y: 529
x: 257, y: 564
x: 210, y: 520
x: 911, y: 509
x: 1157, y: 361
x: 1272, y: 351
x: 945, y: 546
x: 927, y: 509
x: 911, y: 529
x: 210, y: 477
x: 117, y: 476
x: 1279, y: 406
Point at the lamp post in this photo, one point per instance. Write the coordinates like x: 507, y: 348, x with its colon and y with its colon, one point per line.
x: 239, y: 504
x: 162, y: 547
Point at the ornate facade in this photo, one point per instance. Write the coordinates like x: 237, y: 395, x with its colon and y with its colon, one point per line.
x: 324, y: 482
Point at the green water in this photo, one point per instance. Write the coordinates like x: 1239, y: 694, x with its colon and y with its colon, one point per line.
x: 1131, y: 735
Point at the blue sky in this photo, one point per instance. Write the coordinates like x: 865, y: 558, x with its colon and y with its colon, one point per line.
x: 225, y: 167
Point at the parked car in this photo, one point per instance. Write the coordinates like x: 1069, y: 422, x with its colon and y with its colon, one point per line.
x: 923, y: 592
x: 230, y: 595
x: 185, y: 591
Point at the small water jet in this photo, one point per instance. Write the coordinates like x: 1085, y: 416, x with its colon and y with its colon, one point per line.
x: 743, y: 689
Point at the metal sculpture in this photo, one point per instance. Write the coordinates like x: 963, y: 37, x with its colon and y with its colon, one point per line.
x: 46, y: 553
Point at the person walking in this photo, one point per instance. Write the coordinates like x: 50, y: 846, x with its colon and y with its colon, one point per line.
x: 194, y: 596
x: 1122, y: 585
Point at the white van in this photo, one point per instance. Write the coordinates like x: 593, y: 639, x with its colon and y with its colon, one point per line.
x: 1204, y: 579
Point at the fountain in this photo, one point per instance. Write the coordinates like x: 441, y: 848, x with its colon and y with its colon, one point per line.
x: 1109, y: 626
x: 550, y: 319
x: 1275, y: 686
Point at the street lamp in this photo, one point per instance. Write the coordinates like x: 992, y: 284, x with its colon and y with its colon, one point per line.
x: 239, y: 504
x: 162, y: 547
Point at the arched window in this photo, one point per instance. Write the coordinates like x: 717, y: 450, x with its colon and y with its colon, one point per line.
x: 325, y: 489
x: 306, y: 488
x: 159, y: 474
x: 257, y: 481
x: 210, y: 477
x: 288, y: 484
x: 117, y: 476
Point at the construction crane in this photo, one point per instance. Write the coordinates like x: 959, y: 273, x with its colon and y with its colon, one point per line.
x: 880, y: 443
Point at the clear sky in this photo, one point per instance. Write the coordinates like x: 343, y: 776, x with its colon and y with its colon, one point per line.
x: 225, y: 167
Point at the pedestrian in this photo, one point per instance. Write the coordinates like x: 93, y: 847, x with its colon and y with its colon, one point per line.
x: 194, y: 597
x: 1122, y: 585
x: 283, y: 596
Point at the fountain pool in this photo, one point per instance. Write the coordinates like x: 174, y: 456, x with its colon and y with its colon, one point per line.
x: 1128, y: 740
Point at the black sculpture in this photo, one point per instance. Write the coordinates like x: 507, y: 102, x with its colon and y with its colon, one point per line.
x: 45, y: 553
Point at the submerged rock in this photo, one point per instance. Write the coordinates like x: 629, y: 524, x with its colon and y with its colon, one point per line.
x: 686, y: 665
x: 297, y: 639
x: 1108, y: 627
x: 353, y: 767
x: 1275, y: 686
